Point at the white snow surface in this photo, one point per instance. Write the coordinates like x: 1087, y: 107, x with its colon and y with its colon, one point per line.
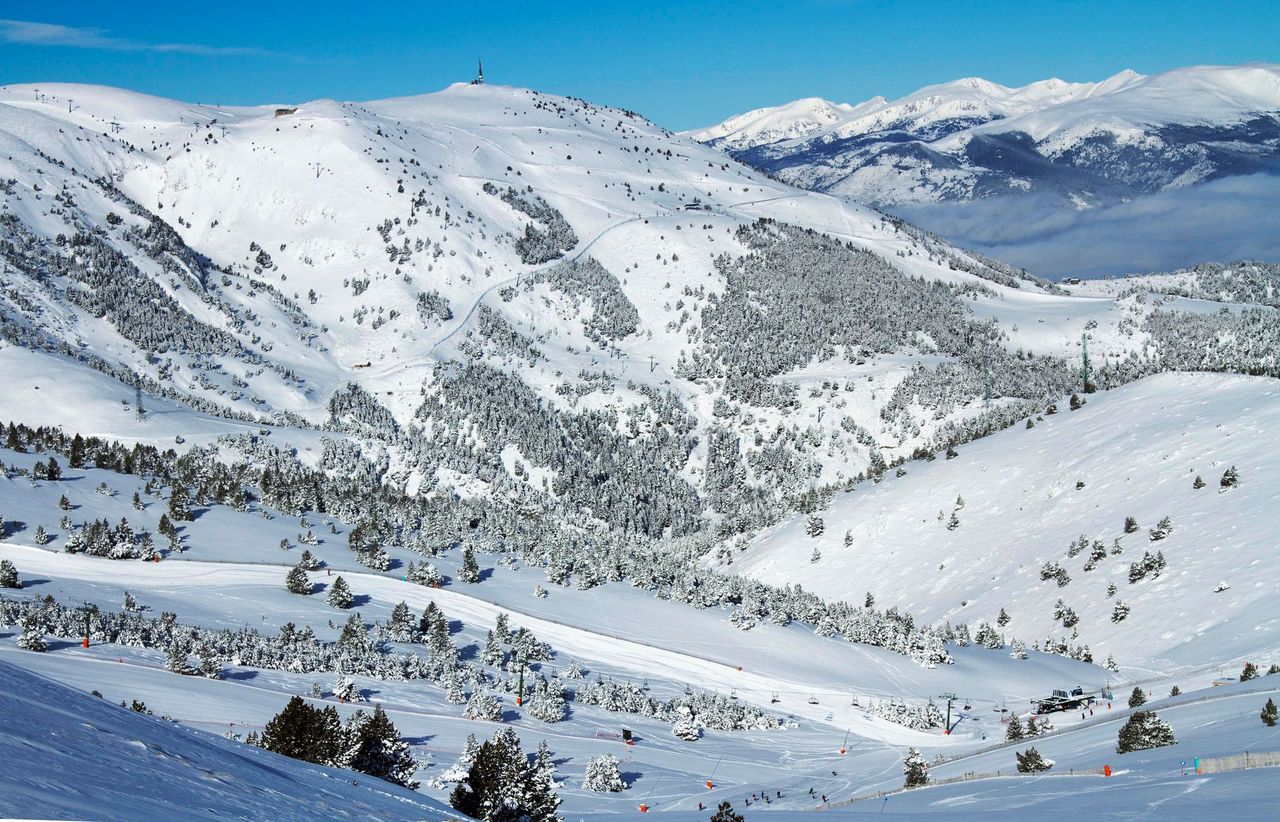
x: 1137, y: 450
x: 70, y: 755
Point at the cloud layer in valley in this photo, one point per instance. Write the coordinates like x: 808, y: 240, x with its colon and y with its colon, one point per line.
x: 1229, y: 219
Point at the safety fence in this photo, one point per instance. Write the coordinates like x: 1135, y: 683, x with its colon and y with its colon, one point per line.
x: 964, y: 777
x: 1241, y: 761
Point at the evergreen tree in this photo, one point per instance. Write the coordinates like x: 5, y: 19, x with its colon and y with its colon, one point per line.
x: 1013, y: 733
x: 76, y: 457
x: 8, y: 575
x: 339, y: 595
x: 175, y: 660
x: 401, y: 626
x: 296, y: 581
x: 483, y: 705
x: 179, y: 504
x: 1144, y: 730
x: 500, y: 785
x: 378, y: 750
x: 53, y: 471
x: 1030, y: 761
x: 1250, y: 672
x: 1003, y: 619
x: 602, y: 775
x: 298, y: 731
x: 308, y: 562
x: 1230, y: 478
x: 40, y: 537
x: 814, y: 526
x: 915, y: 769
x: 1198, y: 483
x: 687, y: 729
x: 469, y: 570
x: 1269, y: 715
x: 32, y: 637
x: 726, y: 813
x: 1138, y: 697
x: 346, y: 691
x: 544, y: 802
x: 209, y: 666
x: 1175, y: 691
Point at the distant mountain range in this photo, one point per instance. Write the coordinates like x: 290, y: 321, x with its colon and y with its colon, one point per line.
x: 1074, y: 146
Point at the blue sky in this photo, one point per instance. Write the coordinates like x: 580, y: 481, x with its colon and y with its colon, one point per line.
x: 683, y: 64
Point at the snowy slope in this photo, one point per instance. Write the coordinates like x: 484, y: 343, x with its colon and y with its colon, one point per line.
x: 374, y: 290
x: 356, y: 243
x: 1137, y: 451
x: 83, y: 757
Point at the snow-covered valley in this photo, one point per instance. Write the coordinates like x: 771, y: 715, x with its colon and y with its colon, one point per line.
x: 672, y: 417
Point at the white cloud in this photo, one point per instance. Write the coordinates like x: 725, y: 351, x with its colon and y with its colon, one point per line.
x: 1228, y: 219
x: 30, y: 33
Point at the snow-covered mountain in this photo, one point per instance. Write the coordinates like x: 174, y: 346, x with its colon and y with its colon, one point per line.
x: 1124, y: 136
x: 595, y: 357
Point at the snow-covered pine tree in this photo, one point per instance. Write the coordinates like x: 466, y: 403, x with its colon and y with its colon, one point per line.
x: 602, y: 775
x: 483, y: 706
x: 339, y: 595
x: 726, y: 813
x: 814, y: 526
x: 544, y: 801
x: 1138, y: 697
x: 175, y: 660
x: 547, y: 703
x: 32, y: 637
x: 377, y: 749
x: 40, y: 537
x: 179, y: 504
x: 308, y: 561
x: 8, y: 575
x: 297, y: 582
x: 209, y: 666
x: 469, y: 570
x: 425, y: 574
x: 1013, y: 731
x: 1250, y: 672
x: 1269, y: 714
x: 687, y: 729
x: 915, y: 769
x: 1144, y: 730
x: 346, y: 691
x: 1030, y: 761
